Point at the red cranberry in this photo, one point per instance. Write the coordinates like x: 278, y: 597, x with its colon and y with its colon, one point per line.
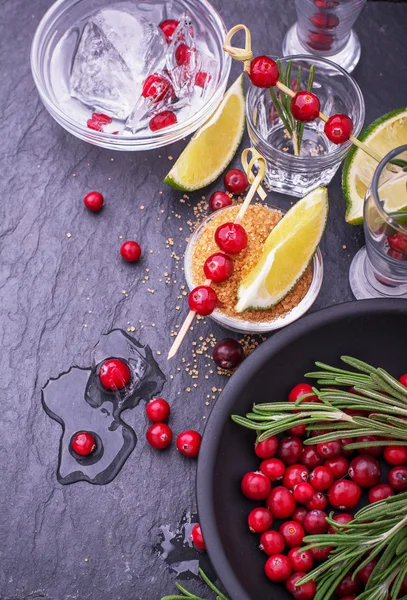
x: 158, y: 410
x: 310, y: 457
x: 321, y: 554
x: 315, y: 522
x: 256, y: 486
x: 303, y: 492
x: 231, y: 238
x: 394, y: 254
x: 300, y: 390
x: 295, y: 474
x: 263, y: 72
x: 378, y: 492
x: 219, y: 200
x: 267, y: 448
x: 102, y: 118
x: 114, y: 374
x: 338, y: 466
x: 305, y: 106
x: 342, y: 519
x: 168, y: 28
x: 326, y: 3
x: 260, y: 519
x: 273, y: 467
x: 94, y: 201
x: 183, y: 54
x: 189, y: 443
x: 202, y: 78
x: 271, y: 542
x: 301, y: 560
x: 130, y: 251
x: 228, y: 354
x: 348, y: 586
x: 320, y: 41
x: 344, y: 442
x: 299, y: 515
x: 398, y: 242
x: 366, y: 571
x: 397, y: 478
x: 395, y: 455
x: 197, y: 537
x: 318, y: 502
x: 235, y: 181
x: 278, y: 568
x: 281, y: 502
x: 367, y: 449
x: 338, y: 129
x: 202, y: 300
x: 83, y: 443
x: 403, y: 379
x: 159, y: 436
x: 156, y: 87
x: 298, y: 430
x: 293, y: 533
x: 321, y: 478
x: 330, y: 449
x: 166, y: 118
x: 344, y: 494
x: 93, y: 124
x: 365, y: 470
x: 306, y: 591
x: 289, y: 450
x: 324, y: 20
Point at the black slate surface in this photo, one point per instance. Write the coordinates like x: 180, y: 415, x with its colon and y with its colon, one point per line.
x: 58, y: 293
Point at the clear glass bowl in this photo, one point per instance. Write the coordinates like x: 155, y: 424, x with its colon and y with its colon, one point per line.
x: 246, y: 326
x: 64, y: 14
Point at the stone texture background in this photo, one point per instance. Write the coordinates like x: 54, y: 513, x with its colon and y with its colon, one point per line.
x: 58, y: 293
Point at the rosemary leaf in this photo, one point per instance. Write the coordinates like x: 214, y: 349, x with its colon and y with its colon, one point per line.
x: 277, y: 106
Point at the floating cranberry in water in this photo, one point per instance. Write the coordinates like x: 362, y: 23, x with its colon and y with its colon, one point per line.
x: 303, y: 492
x: 403, y: 379
x: 294, y: 475
x: 342, y: 519
x: 197, y: 537
x: 271, y: 542
x: 348, y: 586
x: 255, y: 486
x: 281, y: 502
x: 201, y: 78
x: 273, y: 468
x: 219, y: 200
x: 306, y: 591
x: 310, y: 457
x: 321, y: 554
x: 159, y: 436
x: 321, y: 478
x: 263, y: 72
x: 395, y: 455
x: 315, y: 522
x: 305, y: 106
x: 102, y: 118
x: 366, y: 571
x: 93, y: 124
x: 218, y: 267
x: 228, y: 354
x: 202, y: 300
x: 398, y: 242
x: 397, y: 478
x: 293, y: 533
x: 231, y: 238
x: 158, y: 410
x: 301, y: 560
x: 156, y: 87
x: 114, y: 374
x: 378, y: 492
x: 344, y: 494
x: 94, y: 201
x: 278, y: 568
x: 324, y: 20
x: 189, y: 443
x: 83, y: 443
x: 338, y: 128
x: 300, y: 390
x: 299, y: 515
x: 330, y: 449
x: 166, y: 118
x: 267, y: 448
x: 130, y: 251
x: 289, y: 450
x: 235, y: 181
x: 365, y: 470
x: 260, y: 519
x: 168, y: 28
x: 320, y: 41
x: 368, y: 449
x: 338, y: 466
x: 318, y: 502
x: 183, y: 54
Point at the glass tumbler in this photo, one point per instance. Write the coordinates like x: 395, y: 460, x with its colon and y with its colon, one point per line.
x: 324, y: 28
x: 380, y: 268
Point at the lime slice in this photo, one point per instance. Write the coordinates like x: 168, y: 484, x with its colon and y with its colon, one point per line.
x: 287, y: 253
x: 384, y: 134
x: 213, y: 146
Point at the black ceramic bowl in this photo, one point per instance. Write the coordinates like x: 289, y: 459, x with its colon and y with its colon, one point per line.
x: 372, y: 330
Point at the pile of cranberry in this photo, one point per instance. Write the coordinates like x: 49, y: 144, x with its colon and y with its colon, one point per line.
x: 300, y: 484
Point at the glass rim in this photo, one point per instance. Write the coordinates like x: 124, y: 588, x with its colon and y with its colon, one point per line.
x: 341, y: 149
x: 374, y: 187
x: 127, y: 142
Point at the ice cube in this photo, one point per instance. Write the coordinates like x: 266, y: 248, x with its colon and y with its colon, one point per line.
x: 118, y: 49
x: 183, y: 59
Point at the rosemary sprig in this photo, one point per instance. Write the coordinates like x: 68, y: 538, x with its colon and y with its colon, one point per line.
x: 186, y: 594
x: 281, y: 102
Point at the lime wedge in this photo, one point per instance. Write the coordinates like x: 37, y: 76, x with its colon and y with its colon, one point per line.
x: 384, y: 134
x: 213, y: 146
x: 287, y: 253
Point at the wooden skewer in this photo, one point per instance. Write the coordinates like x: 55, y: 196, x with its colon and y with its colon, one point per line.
x: 255, y: 186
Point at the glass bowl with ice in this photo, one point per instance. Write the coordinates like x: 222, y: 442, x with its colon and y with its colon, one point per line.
x: 128, y: 74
